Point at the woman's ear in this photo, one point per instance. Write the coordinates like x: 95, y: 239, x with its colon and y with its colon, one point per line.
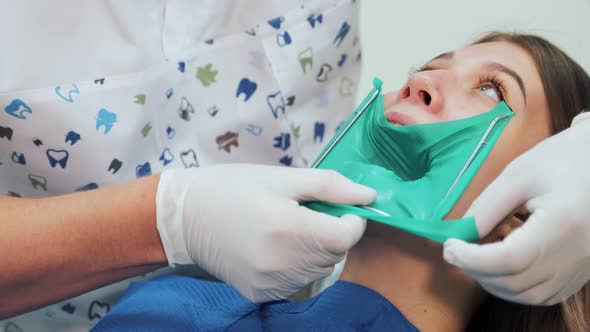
x: 514, y: 220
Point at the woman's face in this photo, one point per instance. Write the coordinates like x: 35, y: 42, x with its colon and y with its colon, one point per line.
x: 472, y: 81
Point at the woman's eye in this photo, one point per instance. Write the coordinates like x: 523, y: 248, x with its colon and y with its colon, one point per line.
x: 492, y: 91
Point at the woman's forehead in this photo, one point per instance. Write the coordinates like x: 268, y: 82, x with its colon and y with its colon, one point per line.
x: 505, y: 53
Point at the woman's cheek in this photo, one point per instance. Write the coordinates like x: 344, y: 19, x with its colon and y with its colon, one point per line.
x: 507, y: 147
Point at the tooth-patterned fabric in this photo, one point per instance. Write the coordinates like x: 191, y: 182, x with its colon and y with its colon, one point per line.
x: 272, y: 94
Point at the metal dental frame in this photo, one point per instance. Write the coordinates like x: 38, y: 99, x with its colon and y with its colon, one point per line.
x: 362, y: 110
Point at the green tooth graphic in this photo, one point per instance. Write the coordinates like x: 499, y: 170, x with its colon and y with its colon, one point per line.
x: 305, y: 58
x: 139, y: 99
x: 346, y: 87
x: 206, y: 74
x: 295, y: 131
x: 146, y: 129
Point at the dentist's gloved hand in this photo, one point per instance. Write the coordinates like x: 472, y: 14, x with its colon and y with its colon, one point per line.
x: 243, y: 224
x: 548, y: 258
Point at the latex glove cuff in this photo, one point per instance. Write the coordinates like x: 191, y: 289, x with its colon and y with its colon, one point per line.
x: 169, y: 215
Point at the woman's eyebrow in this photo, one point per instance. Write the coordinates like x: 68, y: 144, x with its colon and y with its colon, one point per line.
x: 443, y: 56
x: 494, y: 66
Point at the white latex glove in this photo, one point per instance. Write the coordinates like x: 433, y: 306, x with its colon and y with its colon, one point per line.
x: 243, y: 224
x: 548, y: 258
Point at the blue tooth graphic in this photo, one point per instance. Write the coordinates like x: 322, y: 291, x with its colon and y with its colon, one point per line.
x: 318, y: 131
x: 87, y: 187
x: 98, y: 310
x: 6, y: 132
x: 48, y: 313
x: 169, y: 93
x: 181, y: 66
x: 283, y: 141
x: 185, y: 109
x: 325, y: 70
x: 37, y: 142
x: 105, y: 119
x: 312, y: 19
x: 115, y: 166
x: 283, y: 39
x: 166, y: 157
x: 144, y: 169
x: 18, y: 108
x: 276, y: 103
x: 18, y: 158
x: 57, y: 157
x: 246, y: 87
x: 342, y: 60
x: 12, y: 327
x: 305, y: 58
x: 72, y: 90
x: 170, y: 132
x: 342, y: 33
x: 69, y: 308
x: 286, y: 160
x: 38, y: 181
x: 189, y: 159
x: 276, y: 22
x: 72, y: 137
x: 256, y: 130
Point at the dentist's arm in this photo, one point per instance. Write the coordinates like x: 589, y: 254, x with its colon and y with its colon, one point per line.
x: 548, y: 258
x: 241, y: 223
x: 58, y: 247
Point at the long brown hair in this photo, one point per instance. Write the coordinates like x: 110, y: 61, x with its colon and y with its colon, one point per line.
x: 567, y: 87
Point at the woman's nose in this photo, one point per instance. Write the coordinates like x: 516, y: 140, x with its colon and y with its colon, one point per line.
x: 422, y: 89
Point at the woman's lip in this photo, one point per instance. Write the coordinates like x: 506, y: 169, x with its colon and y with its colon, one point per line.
x: 400, y: 118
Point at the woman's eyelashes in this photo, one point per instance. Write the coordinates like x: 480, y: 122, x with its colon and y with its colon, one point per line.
x: 488, y: 83
x: 492, y: 87
x: 415, y: 70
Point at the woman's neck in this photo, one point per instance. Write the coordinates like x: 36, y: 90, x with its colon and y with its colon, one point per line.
x: 411, y: 274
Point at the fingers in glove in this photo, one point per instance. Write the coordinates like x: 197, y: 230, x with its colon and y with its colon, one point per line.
x: 334, y: 235
x: 573, y: 286
x: 507, y: 192
x: 509, y: 257
x: 332, y: 187
x: 511, y: 284
x: 539, y: 294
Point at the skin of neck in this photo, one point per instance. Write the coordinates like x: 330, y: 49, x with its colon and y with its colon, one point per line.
x: 411, y: 273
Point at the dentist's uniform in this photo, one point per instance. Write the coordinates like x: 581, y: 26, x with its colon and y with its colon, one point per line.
x: 98, y: 93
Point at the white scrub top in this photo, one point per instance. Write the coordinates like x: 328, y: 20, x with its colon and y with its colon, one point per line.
x: 94, y: 93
